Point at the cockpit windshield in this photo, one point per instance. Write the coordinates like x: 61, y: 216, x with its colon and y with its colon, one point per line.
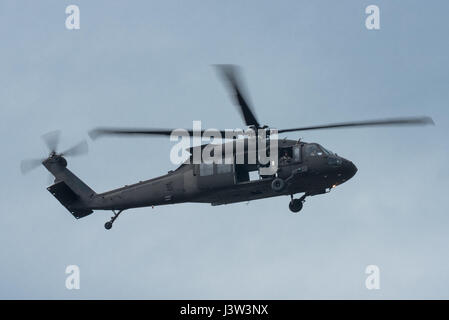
x: 328, y: 152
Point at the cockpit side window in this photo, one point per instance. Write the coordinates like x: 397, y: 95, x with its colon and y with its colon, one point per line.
x: 312, y: 150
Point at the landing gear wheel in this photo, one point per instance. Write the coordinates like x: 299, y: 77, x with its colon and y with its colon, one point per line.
x: 108, y: 225
x: 295, y: 205
x: 278, y: 185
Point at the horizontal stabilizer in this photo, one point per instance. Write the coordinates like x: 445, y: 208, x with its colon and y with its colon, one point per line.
x: 68, y: 199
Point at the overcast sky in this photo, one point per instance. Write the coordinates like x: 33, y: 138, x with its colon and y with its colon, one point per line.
x: 148, y: 63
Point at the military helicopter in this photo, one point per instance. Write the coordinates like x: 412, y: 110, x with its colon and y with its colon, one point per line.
x: 306, y: 168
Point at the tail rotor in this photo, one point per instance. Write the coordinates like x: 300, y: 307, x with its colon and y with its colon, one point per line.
x: 51, y: 140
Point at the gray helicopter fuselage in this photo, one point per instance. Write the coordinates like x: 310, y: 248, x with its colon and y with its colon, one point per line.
x: 314, y: 174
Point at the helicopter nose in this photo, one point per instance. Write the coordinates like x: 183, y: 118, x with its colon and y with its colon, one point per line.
x: 353, y: 169
x: 350, y: 169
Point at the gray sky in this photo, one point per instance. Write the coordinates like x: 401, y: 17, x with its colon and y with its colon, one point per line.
x: 147, y: 63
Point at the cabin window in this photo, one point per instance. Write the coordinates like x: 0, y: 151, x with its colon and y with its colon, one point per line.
x: 206, y: 169
x: 224, y: 168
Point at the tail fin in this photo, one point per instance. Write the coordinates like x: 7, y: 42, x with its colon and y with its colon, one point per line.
x: 70, y: 191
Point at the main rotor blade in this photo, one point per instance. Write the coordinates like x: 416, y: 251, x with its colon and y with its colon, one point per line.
x: 368, y: 123
x: 51, y: 139
x: 29, y: 164
x: 77, y: 150
x: 230, y: 75
x: 98, y: 132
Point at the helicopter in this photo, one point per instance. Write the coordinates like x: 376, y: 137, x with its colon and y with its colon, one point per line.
x: 303, y: 168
